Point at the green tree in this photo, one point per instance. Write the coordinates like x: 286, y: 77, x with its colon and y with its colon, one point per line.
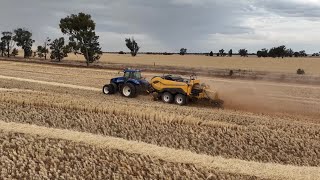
x: 23, y: 39
x: 243, y: 52
x: 58, y: 49
x: 230, y: 53
x: 211, y: 53
x: 262, y: 53
x: 280, y: 51
x: 7, y: 40
x: 289, y: 52
x: 183, y: 51
x: 133, y: 46
x: 42, y: 51
x: 82, y: 37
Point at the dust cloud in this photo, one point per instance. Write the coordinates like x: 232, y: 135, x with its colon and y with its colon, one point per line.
x: 259, y: 98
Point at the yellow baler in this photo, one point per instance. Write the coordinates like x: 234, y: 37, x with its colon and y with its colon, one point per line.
x: 179, y: 90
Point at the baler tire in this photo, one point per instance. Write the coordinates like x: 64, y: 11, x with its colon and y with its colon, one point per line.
x: 167, y: 97
x: 180, y: 99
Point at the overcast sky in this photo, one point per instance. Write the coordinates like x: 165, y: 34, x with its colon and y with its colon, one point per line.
x: 168, y: 25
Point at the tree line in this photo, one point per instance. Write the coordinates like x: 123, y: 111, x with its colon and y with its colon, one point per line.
x: 274, y: 52
x: 280, y: 52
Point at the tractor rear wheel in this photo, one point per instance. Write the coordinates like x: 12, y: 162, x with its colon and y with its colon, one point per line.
x: 180, y: 99
x: 167, y: 97
x: 108, y: 89
x: 128, y: 90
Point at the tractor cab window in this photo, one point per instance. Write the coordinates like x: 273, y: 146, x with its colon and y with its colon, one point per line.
x: 137, y: 75
x: 132, y: 75
x: 127, y: 75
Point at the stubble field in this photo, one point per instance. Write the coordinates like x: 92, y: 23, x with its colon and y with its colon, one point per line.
x: 311, y: 65
x: 48, y: 115
x: 286, y: 65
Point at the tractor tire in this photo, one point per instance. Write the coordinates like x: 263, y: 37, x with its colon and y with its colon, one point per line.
x: 180, y: 99
x: 108, y: 89
x: 167, y: 97
x: 128, y: 90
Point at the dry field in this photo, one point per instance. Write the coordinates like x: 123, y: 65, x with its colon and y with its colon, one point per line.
x: 56, y: 123
x: 286, y: 65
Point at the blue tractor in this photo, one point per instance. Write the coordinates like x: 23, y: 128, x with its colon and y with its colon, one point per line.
x: 129, y: 85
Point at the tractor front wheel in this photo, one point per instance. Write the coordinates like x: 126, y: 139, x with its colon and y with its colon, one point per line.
x: 108, y: 89
x: 128, y: 90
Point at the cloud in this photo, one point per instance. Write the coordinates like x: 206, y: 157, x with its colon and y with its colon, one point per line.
x: 168, y: 25
x: 292, y: 8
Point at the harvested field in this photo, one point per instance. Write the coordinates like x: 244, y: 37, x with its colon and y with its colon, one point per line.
x: 286, y: 65
x: 246, y: 130
x: 219, y: 167
x: 46, y: 158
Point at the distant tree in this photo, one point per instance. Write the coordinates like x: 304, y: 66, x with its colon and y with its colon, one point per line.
x: 230, y: 53
x: 183, y: 51
x: 302, y: 53
x: 273, y: 52
x: 280, y: 51
x: 262, y: 53
x: 243, y: 52
x: 82, y: 36
x: 221, y: 52
x: 289, y: 53
x: 211, y: 53
x: 133, y: 46
x: 121, y: 52
x: 15, y: 52
x: 259, y: 53
x: 316, y: 54
x: 42, y: 51
x: 58, y: 49
x: 296, y: 54
x: 23, y: 39
x: 7, y: 40
x: 2, y: 48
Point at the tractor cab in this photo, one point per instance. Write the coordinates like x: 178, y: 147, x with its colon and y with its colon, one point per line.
x: 132, y: 74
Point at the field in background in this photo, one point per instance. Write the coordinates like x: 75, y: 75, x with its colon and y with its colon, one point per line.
x: 311, y: 65
x: 286, y: 65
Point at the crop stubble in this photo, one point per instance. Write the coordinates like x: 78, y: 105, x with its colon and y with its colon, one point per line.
x: 284, y: 139
x: 33, y: 157
x: 228, y: 135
